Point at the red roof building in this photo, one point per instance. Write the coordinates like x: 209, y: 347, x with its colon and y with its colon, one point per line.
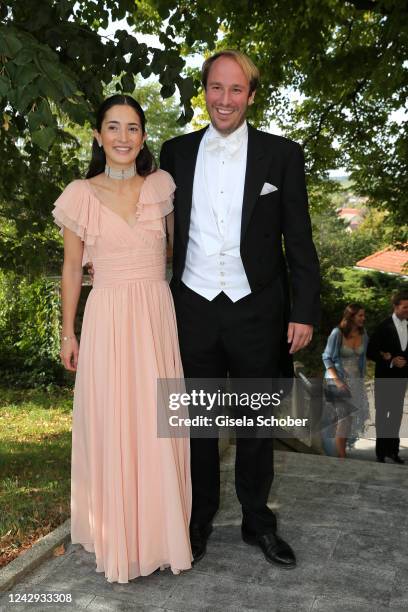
x: 352, y: 216
x: 389, y: 260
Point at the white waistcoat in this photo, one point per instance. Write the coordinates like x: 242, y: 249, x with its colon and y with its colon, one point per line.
x: 213, y: 260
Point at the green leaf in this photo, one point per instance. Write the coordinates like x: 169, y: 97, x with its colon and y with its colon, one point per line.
x: 20, y: 98
x: 146, y: 72
x: 128, y: 82
x: 4, y: 85
x: 68, y: 86
x: 9, y: 42
x: 189, y: 114
x: 162, y: 9
x: 186, y: 88
x: 24, y: 75
x: 24, y: 56
x: 129, y: 44
x: 58, y: 75
x: 34, y: 121
x: 74, y: 49
x: 65, y: 8
x: 41, y: 116
x: 78, y: 111
x: 44, y: 138
x: 167, y: 90
x: 48, y: 89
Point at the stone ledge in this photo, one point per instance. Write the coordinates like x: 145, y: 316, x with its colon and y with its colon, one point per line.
x: 34, y: 556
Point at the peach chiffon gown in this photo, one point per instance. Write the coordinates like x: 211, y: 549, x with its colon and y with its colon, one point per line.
x: 130, y: 490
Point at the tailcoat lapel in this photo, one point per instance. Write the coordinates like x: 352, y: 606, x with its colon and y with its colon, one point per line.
x: 185, y: 180
x: 256, y: 169
x: 394, y: 334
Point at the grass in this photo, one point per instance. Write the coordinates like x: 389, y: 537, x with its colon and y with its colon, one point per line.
x: 35, y: 460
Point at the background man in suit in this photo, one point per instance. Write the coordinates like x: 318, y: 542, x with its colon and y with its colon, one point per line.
x: 239, y: 190
x: 388, y: 348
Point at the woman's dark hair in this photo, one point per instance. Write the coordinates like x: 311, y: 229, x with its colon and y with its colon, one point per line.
x: 145, y: 162
x: 350, y: 311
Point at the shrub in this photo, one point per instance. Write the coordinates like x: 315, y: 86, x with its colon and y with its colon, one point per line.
x: 29, y: 331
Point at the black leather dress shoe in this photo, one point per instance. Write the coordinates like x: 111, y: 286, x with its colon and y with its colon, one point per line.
x: 397, y: 459
x: 273, y: 547
x: 199, y: 535
x: 380, y: 459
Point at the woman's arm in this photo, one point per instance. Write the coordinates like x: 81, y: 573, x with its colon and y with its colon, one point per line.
x: 70, y: 289
x: 329, y: 356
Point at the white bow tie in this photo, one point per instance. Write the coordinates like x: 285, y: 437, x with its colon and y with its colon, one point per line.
x: 230, y: 144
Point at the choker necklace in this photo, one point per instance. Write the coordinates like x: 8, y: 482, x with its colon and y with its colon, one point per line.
x: 120, y: 174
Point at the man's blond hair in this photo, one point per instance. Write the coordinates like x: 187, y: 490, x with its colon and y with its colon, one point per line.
x: 247, y: 65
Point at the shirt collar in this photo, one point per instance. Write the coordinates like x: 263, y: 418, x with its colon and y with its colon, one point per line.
x: 398, y: 322
x: 238, y: 134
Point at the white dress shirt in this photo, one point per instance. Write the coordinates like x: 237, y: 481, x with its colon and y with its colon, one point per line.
x: 213, y: 260
x: 401, y: 327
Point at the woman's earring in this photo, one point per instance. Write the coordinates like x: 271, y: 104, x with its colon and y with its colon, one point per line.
x: 100, y: 145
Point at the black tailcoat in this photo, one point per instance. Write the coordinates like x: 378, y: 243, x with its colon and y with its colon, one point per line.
x: 390, y: 386
x: 265, y: 219
x: 246, y: 339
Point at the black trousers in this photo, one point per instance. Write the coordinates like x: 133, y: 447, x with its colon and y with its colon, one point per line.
x: 389, y: 403
x: 244, y: 340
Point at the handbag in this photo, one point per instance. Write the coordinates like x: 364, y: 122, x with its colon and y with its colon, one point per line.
x: 332, y: 392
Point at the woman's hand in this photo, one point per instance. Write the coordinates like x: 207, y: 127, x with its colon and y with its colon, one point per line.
x: 69, y: 353
x: 340, y: 384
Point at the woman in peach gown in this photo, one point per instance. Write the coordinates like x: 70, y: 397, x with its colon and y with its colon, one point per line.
x: 131, y: 490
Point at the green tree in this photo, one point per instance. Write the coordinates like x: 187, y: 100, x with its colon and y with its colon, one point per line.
x: 54, y: 67
x: 346, y: 60
x: 51, y: 52
x: 339, y: 250
x: 29, y: 241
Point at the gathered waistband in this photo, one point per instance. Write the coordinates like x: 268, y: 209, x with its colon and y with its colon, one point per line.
x: 127, y: 268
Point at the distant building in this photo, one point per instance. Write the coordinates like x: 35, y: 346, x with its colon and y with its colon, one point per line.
x: 389, y: 261
x: 352, y: 216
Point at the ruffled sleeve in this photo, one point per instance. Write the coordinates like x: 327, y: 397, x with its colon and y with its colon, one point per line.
x: 156, y: 201
x: 78, y: 210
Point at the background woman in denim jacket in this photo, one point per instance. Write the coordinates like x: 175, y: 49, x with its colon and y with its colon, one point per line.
x: 345, y: 361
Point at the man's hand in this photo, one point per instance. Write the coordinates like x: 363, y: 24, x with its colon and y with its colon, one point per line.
x: 299, y: 335
x: 399, y: 362
x: 386, y: 356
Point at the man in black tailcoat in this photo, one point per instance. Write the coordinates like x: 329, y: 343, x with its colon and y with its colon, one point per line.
x: 388, y: 348
x: 239, y: 192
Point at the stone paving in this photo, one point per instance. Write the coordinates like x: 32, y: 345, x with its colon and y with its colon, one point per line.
x: 346, y: 520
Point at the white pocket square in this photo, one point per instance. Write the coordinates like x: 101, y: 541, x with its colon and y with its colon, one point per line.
x: 268, y: 188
